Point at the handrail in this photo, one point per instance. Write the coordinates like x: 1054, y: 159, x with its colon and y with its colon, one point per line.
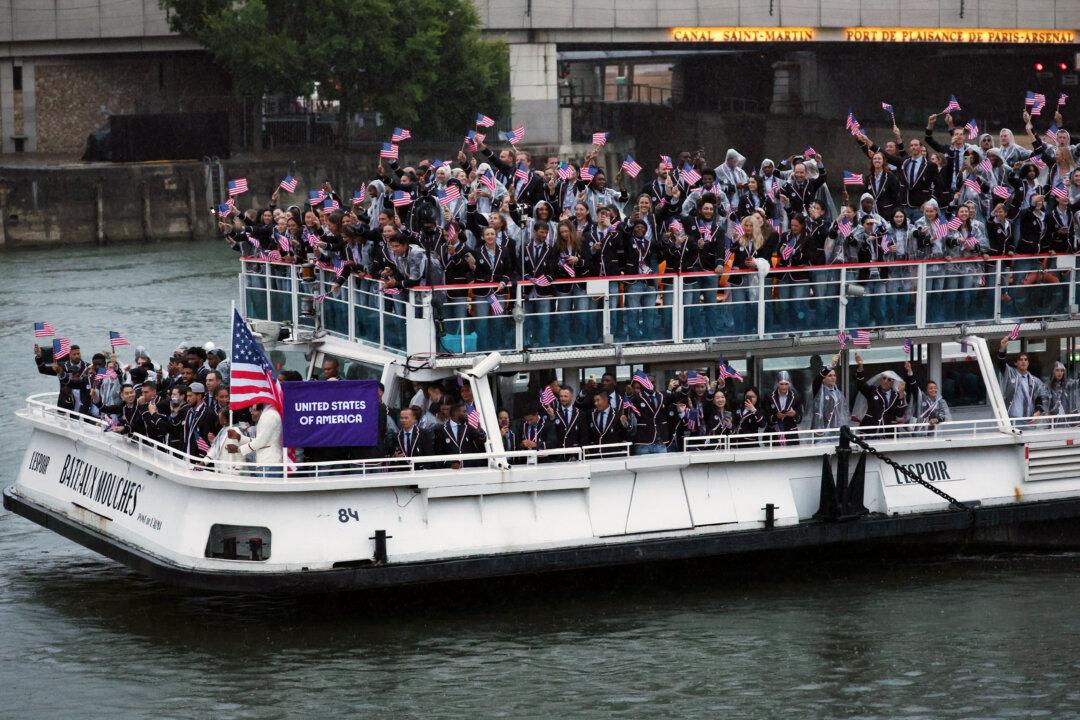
x: 153, y: 451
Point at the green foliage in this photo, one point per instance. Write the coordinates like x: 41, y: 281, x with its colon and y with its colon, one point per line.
x: 423, y: 64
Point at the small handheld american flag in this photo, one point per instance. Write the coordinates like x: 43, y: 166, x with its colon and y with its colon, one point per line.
x: 61, y: 348
x: 315, y: 197
x: 400, y: 134
x: 224, y: 210
x: 357, y: 198
x: 1000, y: 191
x: 331, y: 203
x: 843, y: 227
x: 861, y: 339
x: 401, y: 198
x: 389, y: 151
x: 972, y: 129
x: 1060, y: 191
x: 727, y: 372
x: 665, y: 160
x: 237, y: 187
x: 484, y: 121
x: 842, y: 338
x: 541, y: 281
x: 273, y: 256
x: 642, y: 379
x: 473, y: 140
x: 474, y: 418
x: 599, y: 139
x: 972, y: 184
x: 851, y: 178
x: 788, y: 250
x: 887, y: 108
x: 44, y: 329
x: 288, y: 184
x: 970, y: 242
x: 282, y: 241
x: 568, y: 268
x: 986, y: 166
x: 521, y: 172
x: 809, y: 150
x: 908, y: 345
x: 496, y: 306
x: 564, y: 171
x: 954, y: 224
x: 694, y: 379
x: 546, y: 396
x: 117, y: 340
x: 689, y: 175
x: 1050, y: 136
x: 952, y: 105
x: 1029, y: 98
x: 488, y: 180
x: 1040, y: 102
x: 1038, y: 162
x: 516, y: 135
x: 1014, y: 334
x: 449, y: 195
x: 1061, y: 100
x: 630, y: 166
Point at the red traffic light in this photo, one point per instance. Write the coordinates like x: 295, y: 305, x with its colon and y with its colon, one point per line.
x: 1063, y: 66
x: 1038, y: 67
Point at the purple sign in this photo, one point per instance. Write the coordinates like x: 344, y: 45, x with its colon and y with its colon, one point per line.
x: 331, y: 413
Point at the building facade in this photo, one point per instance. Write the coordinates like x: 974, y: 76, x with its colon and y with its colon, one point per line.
x: 65, y: 65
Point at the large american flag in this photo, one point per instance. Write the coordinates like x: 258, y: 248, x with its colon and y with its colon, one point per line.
x: 44, y: 329
x: 252, y: 377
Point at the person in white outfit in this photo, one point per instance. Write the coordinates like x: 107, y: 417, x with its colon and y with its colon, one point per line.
x: 267, y: 441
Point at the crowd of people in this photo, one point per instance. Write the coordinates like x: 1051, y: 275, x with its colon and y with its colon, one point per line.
x: 185, y: 407
x: 491, y: 219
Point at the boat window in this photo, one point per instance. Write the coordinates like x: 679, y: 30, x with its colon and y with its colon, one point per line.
x: 238, y: 542
x: 289, y: 360
x: 351, y: 369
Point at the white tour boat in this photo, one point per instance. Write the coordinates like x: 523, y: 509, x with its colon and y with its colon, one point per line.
x: 980, y: 480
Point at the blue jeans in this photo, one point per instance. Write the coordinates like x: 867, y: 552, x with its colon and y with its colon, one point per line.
x: 492, y: 332
x: 792, y: 312
x: 573, y: 322
x: 538, y: 322
x: 641, y: 309
x: 738, y: 315
x: 694, y: 325
x: 936, y: 300
x: 825, y: 308
x: 650, y: 449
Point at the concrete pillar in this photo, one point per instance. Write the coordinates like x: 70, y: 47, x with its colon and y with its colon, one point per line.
x: 933, y: 362
x: 29, y: 102
x: 534, y: 94
x: 7, y: 107
x: 785, y: 100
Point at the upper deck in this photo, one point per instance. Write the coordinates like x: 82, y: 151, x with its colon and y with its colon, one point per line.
x: 644, y: 318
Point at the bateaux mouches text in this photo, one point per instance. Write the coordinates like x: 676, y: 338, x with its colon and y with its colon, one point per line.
x: 102, y: 486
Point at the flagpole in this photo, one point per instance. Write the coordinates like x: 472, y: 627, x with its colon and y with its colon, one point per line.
x: 232, y: 314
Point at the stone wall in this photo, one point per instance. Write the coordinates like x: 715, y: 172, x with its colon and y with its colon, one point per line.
x: 72, y: 91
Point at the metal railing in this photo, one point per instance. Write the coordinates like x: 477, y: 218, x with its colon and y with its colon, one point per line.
x: 667, y: 309
x: 151, y: 453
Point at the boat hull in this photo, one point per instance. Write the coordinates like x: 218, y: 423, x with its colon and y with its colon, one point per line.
x: 1042, y: 525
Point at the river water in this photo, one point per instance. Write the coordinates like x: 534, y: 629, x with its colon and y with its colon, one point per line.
x: 953, y: 637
